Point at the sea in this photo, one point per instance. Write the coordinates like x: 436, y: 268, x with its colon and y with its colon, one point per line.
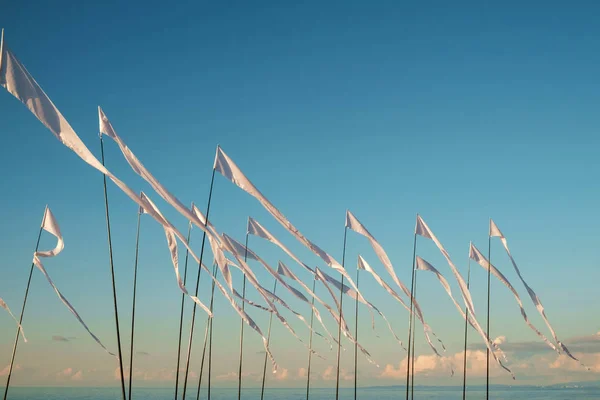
x: 378, y: 393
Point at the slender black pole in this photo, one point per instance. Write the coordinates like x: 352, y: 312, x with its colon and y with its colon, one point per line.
x: 487, y: 374
x: 185, y: 268
x: 356, y: 338
x: 135, y: 268
x: 112, y: 273
x: 466, y: 332
x: 337, y: 379
x: 210, y: 337
x: 191, y: 339
x: 410, y: 317
x: 414, y: 334
x: 262, y: 389
x: 206, y: 332
x: 242, y: 325
x: 312, y: 317
x: 14, y: 352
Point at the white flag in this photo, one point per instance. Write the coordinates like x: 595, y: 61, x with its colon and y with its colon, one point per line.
x: 479, y: 258
x: 354, y: 224
x: 50, y: 225
x: 422, y: 229
x: 5, y: 306
x: 226, y: 167
x: 495, y: 232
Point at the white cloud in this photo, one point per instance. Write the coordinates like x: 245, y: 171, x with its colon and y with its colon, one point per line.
x: 77, y: 376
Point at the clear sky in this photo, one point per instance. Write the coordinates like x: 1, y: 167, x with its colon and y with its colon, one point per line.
x: 458, y: 111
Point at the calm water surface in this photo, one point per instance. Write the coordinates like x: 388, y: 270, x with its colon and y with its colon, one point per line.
x: 299, y: 394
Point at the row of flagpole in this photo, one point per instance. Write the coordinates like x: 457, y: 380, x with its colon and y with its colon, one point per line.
x: 18, y: 82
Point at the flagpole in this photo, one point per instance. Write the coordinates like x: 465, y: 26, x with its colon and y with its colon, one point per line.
x: 14, y: 352
x: 206, y: 332
x: 112, y: 273
x: 356, y: 337
x: 135, y: 268
x: 262, y: 390
x: 466, y: 326
x: 210, y: 346
x: 410, y: 317
x: 189, y: 351
x: 337, y: 379
x: 187, y: 253
x: 312, y: 317
x: 487, y: 374
x: 242, y: 323
x: 414, y: 334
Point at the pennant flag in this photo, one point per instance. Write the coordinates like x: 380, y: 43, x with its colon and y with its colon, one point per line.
x: 319, y: 276
x: 354, y: 224
x: 50, y: 225
x: 5, y: 306
x: 422, y: 229
x: 475, y: 255
x: 226, y: 167
x: 495, y: 232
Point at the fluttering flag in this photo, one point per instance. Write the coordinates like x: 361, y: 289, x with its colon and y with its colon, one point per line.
x: 423, y: 230
x: 354, y: 224
x: 50, y: 225
x: 226, y: 167
x: 495, y: 232
x: 339, y: 318
x: 5, y: 306
x: 480, y: 259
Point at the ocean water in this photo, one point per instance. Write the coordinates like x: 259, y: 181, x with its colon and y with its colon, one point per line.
x: 421, y: 393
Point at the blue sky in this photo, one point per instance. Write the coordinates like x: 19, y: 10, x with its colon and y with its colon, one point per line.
x: 459, y: 112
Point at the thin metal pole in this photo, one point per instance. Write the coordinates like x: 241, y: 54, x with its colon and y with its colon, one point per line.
x: 356, y: 338
x: 14, y: 352
x: 466, y: 333
x: 210, y: 349
x: 135, y: 268
x: 312, y: 317
x: 487, y: 374
x: 185, y: 268
x: 410, y: 317
x: 191, y: 339
x: 206, y: 331
x: 242, y: 324
x: 414, y: 334
x: 337, y: 379
x: 112, y: 273
x: 262, y: 389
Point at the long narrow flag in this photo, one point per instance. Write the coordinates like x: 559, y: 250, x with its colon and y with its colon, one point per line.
x: 480, y: 259
x: 495, y: 232
x: 423, y: 230
x: 51, y: 226
x: 226, y: 167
